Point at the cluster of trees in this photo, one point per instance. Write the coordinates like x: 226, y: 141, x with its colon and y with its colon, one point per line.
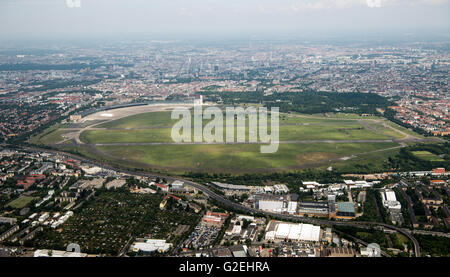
x: 417, y: 204
x: 225, y: 226
x: 367, y: 235
x: 62, y: 83
x: 404, y: 203
x: 405, y: 160
x: 370, y: 208
x: 107, y: 222
x: 433, y: 245
x: 306, y: 102
x: 398, y: 244
x: 321, y: 102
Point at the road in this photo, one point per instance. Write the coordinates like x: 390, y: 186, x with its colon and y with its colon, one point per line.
x: 239, y: 207
x: 126, y: 247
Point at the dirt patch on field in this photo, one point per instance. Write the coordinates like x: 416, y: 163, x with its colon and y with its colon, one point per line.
x: 313, y: 157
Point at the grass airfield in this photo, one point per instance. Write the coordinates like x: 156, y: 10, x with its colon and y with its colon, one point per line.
x: 306, y: 141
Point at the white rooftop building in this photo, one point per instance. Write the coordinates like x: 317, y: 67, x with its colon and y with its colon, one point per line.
x: 57, y: 253
x: 152, y: 245
x: 292, y: 207
x: 271, y: 205
x: 390, y: 201
x: 177, y: 184
x: 302, y: 232
x: 91, y: 170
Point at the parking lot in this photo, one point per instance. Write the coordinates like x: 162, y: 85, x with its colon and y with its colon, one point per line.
x: 202, y: 236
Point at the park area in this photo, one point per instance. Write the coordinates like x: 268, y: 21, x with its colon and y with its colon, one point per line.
x: 306, y: 141
x: 427, y: 156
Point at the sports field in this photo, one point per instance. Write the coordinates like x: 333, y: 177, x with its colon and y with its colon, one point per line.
x: 144, y: 141
x: 20, y: 202
x: 427, y: 156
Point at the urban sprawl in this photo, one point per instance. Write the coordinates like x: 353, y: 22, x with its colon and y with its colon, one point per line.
x: 52, y: 199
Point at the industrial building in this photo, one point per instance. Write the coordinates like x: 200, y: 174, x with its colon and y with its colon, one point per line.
x: 277, y: 204
x: 389, y: 200
x: 177, y: 184
x: 345, y: 210
x: 118, y: 183
x: 292, y: 231
x: 319, y: 209
x: 339, y: 252
x: 359, y: 184
x: 214, y: 219
x: 57, y: 253
x: 392, y: 205
x: 330, y: 209
x: 152, y: 245
x: 230, y: 187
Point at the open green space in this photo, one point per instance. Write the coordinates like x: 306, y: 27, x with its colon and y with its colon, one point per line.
x: 144, y: 120
x: 156, y: 127
x: 49, y: 136
x: 304, y: 133
x: 427, y: 156
x: 241, y: 157
x: 20, y: 202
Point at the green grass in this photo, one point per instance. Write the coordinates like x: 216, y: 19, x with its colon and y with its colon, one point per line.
x: 50, y: 135
x: 156, y: 127
x: 53, y: 137
x: 402, y: 238
x: 427, y: 156
x: 403, y: 129
x: 144, y: 120
x: 370, y: 162
x: 132, y: 129
x: 20, y: 202
x: 118, y: 136
x: 313, y: 132
x: 329, y: 132
x: 235, y: 158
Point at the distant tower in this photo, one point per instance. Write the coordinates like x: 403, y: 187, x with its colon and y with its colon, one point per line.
x: 198, y: 100
x: 271, y: 52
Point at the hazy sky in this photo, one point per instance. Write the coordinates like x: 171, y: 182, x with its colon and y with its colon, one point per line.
x: 93, y: 17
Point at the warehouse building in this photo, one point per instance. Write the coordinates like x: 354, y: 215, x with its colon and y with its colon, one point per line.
x: 152, y: 245
x: 230, y: 187
x: 57, y: 253
x: 320, y: 209
x: 393, y: 206
x: 177, y: 184
x: 292, y: 231
x: 345, y: 210
x: 390, y: 201
x: 277, y: 203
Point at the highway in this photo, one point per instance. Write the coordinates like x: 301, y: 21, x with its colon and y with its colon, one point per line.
x: 239, y: 207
